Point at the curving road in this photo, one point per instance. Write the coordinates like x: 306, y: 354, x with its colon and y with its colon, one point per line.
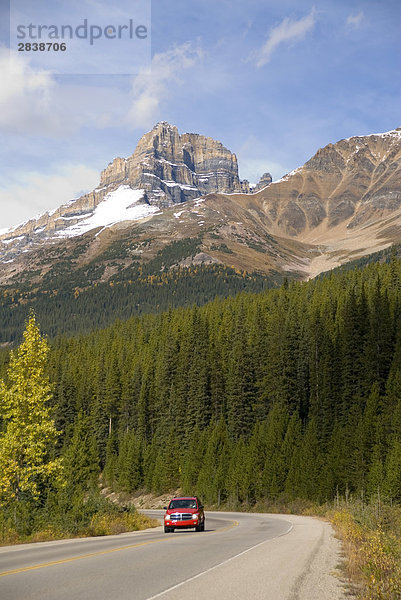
x: 239, y: 556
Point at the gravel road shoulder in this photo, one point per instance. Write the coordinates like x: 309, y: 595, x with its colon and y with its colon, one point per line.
x: 322, y: 578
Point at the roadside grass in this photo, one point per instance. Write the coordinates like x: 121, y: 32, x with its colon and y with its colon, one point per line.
x: 106, y: 519
x: 112, y: 525
x: 371, y: 535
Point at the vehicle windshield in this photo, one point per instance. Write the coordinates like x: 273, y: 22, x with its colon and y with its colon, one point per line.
x: 183, y: 503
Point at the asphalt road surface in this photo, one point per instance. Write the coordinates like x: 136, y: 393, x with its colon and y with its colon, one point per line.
x: 239, y: 556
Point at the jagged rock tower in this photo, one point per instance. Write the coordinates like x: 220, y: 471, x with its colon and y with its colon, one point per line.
x: 173, y: 168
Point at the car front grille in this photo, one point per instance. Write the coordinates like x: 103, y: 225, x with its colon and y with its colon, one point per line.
x: 181, y: 516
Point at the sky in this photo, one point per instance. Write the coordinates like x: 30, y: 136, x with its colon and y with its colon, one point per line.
x: 273, y: 80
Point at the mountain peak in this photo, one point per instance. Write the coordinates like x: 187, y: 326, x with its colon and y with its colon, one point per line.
x: 173, y: 167
x: 164, y: 124
x: 166, y: 168
x: 392, y: 133
x: 343, y: 202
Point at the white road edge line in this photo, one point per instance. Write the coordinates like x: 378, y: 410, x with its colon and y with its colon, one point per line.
x: 174, y: 587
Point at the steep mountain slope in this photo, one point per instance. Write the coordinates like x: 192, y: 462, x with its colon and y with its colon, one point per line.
x: 165, y: 169
x: 345, y: 202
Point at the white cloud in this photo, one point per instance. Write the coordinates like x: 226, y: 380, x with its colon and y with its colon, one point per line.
x: 288, y: 30
x: 32, y: 102
x: 25, y: 95
x: 35, y: 193
x: 150, y: 89
x: 355, y: 20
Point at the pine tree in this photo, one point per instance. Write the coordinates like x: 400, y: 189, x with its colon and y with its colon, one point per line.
x: 240, y: 381
x: 239, y: 475
x: 29, y: 433
x: 198, y: 380
x: 81, y: 462
x: 380, y: 347
x: 275, y: 468
x: 166, y: 474
x: 113, y: 391
x: 375, y: 477
x: 193, y: 460
x: 110, y: 468
x: 392, y: 482
x: 365, y: 438
x: 290, y: 448
x: 306, y: 468
x: 99, y: 417
x: 212, y: 482
x: 129, y: 465
x: 354, y: 336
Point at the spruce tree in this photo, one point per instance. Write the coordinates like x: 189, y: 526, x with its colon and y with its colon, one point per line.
x: 392, y: 482
x: 375, y: 478
x: 240, y: 384
x: 308, y: 463
x: 212, y: 481
x: 110, y: 467
x: 129, y: 464
x: 193, y: 460
x: 275, y: 468
x: 81, y: 462
x: 365, y: 435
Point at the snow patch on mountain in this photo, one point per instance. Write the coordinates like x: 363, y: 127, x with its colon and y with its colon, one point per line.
x: 124, y: 204
x: 392, y: 133
x: 14, y: 239
x: 287, y: 176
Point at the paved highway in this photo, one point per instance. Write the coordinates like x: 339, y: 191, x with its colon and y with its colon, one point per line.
x: 239, y: 555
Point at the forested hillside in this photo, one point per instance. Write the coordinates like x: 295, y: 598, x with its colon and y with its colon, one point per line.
x: 73, y: 300
x: 290, y: 393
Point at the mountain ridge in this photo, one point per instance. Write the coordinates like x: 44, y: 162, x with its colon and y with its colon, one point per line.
x: 344, y: 202
x: 170, y: 168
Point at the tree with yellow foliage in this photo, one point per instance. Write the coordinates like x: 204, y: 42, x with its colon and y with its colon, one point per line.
x: 27, y: 433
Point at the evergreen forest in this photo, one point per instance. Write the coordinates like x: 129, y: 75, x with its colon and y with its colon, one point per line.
x: 291, y: 393
x: 71, y: 299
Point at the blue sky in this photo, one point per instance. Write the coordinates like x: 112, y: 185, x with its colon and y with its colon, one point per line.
x: 273, y: 80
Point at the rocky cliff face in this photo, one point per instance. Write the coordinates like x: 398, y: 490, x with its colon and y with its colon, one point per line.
x: 265, y: 180
x: 173, y: 168
x: 343, y: 203
x: 170, y: 168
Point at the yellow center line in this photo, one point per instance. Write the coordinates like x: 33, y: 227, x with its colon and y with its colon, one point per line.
x: 102, y: 552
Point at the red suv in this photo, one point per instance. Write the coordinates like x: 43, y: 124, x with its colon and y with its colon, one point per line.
x: 183, y: 513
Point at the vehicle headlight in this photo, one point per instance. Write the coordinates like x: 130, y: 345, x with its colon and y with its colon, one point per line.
x: 195, y: 516
x: 167, y: 517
